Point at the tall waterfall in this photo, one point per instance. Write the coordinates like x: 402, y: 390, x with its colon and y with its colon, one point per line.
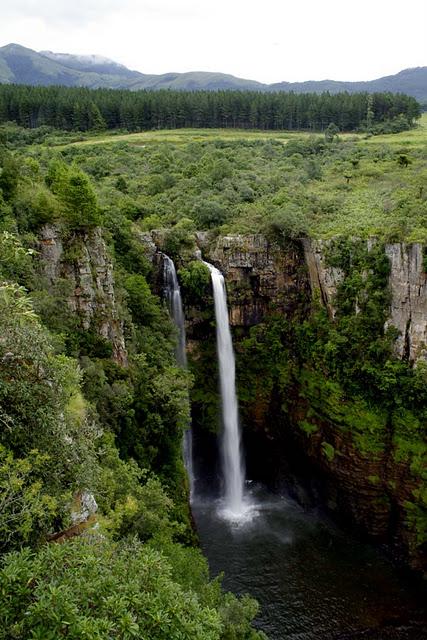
x: 174, y: 300
x: 233, y: 468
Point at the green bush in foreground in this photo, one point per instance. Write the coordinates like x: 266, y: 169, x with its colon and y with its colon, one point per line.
x: 93, y: 589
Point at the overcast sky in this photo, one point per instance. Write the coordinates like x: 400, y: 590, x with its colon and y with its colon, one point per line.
x: 266, y: 40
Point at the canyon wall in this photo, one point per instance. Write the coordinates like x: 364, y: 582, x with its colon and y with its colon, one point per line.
x: 82, y: 260
x: 408, y: 291
x: 408, y: 312
x: 365, y: 480
x: 262, y: 277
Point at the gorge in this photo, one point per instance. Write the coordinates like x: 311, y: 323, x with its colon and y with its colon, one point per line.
x: 115, y: 338
x: 264, y: 280
x: 290, y: 498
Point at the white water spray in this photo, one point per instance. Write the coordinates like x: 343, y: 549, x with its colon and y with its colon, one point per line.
x: 233, y: 468
x: 174, y: 300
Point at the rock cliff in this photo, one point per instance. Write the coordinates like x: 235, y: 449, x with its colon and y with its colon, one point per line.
x: 408, y: 292
x: 83, y: 261
x: 408, y: 311
x: 262, y: 277
x: 370, y: 490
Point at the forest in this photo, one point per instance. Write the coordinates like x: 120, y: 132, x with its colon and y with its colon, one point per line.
x: 80, y: 109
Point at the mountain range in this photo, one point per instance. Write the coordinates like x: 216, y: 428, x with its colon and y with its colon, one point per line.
x: 21, y: 65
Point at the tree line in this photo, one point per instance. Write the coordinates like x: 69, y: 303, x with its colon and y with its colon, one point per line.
x: 82, y: 109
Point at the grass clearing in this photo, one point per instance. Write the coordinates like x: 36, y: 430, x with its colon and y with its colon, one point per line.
x: 407, y: 139
x: 185, y: 136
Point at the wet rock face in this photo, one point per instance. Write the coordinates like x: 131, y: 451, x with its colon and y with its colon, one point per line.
x: 261, y: 277
x: 84, y: 262
x: 408, y: 312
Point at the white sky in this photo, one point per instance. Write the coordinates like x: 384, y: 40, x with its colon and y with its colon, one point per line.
x: 265, y: 40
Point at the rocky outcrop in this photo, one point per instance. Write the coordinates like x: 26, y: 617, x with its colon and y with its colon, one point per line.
x: 369, y: 490
x: 83, y: 261
x: 408, y: 310
x: 83, y: 519
x: 262, y: 277
x: 324, y: 280
x: 148, y: 245
x: 408, y: 289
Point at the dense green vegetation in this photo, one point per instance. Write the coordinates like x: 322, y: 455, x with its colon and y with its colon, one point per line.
x: 84, y: 109
x: 279, y: 186
x: 74, y: 420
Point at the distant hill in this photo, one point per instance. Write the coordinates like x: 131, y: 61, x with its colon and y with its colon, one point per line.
x: 413, y: 82
x: 21, y: 65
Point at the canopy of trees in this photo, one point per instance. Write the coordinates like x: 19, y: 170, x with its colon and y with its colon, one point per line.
x: 81, y: 109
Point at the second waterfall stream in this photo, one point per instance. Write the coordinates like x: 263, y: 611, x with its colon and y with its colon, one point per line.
x: 232, y: 460
x: 174, y: 300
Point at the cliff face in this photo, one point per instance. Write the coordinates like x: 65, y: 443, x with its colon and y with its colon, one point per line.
x: 371, y: 488
x: 408, y: 289
x: 408, y: 312
x: 83, y: 261
x: 324, y: 280
x: 262, y: 277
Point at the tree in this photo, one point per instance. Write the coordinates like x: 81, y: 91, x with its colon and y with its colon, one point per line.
x: 41, y: 406
x: 74, y: 189
x: 9, y: 175
x: 331, y: 132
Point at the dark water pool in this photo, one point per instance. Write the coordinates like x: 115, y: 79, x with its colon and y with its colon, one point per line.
x: 312, y: 580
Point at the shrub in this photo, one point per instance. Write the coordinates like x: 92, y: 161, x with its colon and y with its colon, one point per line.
x: 89, y: 589
x: 195, y: 280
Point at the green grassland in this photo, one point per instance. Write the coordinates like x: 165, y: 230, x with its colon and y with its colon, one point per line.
x: 184, y: 136
x: 413, y: 137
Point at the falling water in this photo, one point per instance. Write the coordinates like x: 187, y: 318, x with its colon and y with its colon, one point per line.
x: 233, y: 468
x: 174, y: 300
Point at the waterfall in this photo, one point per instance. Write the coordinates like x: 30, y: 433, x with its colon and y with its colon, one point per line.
x: 233, y: 468
x: 174, y: 301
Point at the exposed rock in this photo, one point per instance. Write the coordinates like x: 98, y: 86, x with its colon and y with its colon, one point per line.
x: 408, y: 311
x: 85, y: 506
x: 82, y: 259
x: 203, y: 238
x: 261, y: 276
x: 83, y: 518
x: 324, y: 280
x: 148, y: 245
x: 408, y: 288
x: 370, y: 490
